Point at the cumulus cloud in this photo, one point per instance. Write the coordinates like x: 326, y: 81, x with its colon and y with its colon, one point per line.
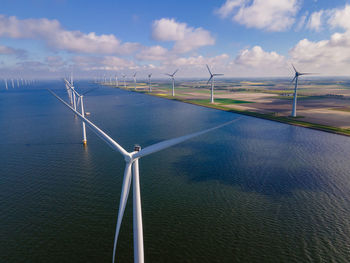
x: 58, y: 38
x: 327, y: 56
x: 315, y: 21
x: 110, y: 63
x: 340, y: 17
x: 186, y: 38
x: 198, y: 61
x: 258, y: 58
x: 270, y: 15
x: 154, y: 53
x: 5, y: 50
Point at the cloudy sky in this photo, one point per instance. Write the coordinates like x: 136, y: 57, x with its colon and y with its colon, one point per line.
x: 240, y: 38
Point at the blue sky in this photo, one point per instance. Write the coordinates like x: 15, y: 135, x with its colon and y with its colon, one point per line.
x: 240, y: 38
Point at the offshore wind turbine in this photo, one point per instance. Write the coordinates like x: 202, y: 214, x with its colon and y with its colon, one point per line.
x: 172, y: 76
x: 296, y: 78
x: 212, y: 83
x: 149, y: 82
x: 124, y: 80
x: 134, y: 77
x: 131, y: 173
x: 80, y: 101
x: 116, y: 80
x: 13, y: 85
x: 5, y: 80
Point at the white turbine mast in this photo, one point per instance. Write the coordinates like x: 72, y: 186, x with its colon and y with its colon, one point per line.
x: 80, y: 100
x: 131, y: 173
x: 124, y: 80
x: 116, y: 80
x: 5, y: 80
x: 134, y: 77
x: 13, y: 85
x: 212, y: 83
x: 149, y: 82
x: 172, y: 76
x: 296, y: 78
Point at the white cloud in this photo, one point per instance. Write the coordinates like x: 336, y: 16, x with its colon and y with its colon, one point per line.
x: 301, y: 22
x: 258, y: 58
x: 198, y: 61
x: 315, y: 21
x: 271, y: 15
x: 186, y: 38
x: 154, y: 53
x: 110, y: 63
x: 326, y: 56
x: 19, y: 53
x: 58, y: 38
x: 340, y: 17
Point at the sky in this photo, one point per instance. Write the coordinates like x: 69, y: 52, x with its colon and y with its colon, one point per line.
x: 239, y: 38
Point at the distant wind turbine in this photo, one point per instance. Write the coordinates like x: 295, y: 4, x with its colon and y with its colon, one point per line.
x: 5, y: 80
x: 116, y: 80
x: 80, y: 101
x: 124, y: 80
x: 172, y: 76
x: 149, y: 82
x: 134, y: 77
x: 13, y: 85
x: 212, y: 84
x: 296, y: 77
x: 131, y: 173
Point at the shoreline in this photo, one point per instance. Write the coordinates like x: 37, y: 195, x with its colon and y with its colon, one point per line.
x: 281, y: 119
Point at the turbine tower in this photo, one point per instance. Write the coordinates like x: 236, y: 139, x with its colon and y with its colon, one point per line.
x: 5, y: 80
x: 149, y: 82
x: 131, y: 173
x: 80, y: 101
x: 134, y: 77
x: 124, y: 80
x: 296, y: 77
x: 172, y: 76
x: 212, y: 84
x: 116, y: 80
x: 13, y: 85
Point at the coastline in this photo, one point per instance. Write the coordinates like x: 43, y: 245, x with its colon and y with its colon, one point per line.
x: 271, y: 117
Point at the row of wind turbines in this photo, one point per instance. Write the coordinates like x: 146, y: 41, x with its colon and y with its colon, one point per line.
x: 212, y: 83
x: 172, y: 77
x: 131, y: 172
x: 17, y: 82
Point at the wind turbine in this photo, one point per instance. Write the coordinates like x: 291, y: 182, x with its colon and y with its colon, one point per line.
x: 149, y: 82
x: 116, y: 80
x: 80, y: 101
x: 172, y: 76
x: 134, y: 77
x: 296, y: 77
x: 131, y: 172
x: 5, y: 80
x: 124, y: 80
x: 212, y: 84
x: 13, y: 85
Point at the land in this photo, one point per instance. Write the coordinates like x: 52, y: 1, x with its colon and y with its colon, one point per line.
x: 323, y: 104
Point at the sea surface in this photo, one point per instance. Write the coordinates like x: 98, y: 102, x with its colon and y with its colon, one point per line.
x: 253, y: 191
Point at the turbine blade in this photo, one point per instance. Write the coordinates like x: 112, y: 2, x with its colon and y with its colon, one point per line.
x: 218, y: 74
x: 209, y: 70
x: 210, y: 79
x: 167, y: 74
x: 294, y: 68
x: 308, y: 74
x: 90, y: 90
x: 175, y: 72
x: 123, y: 200
x: 293, y: 79
x: 168, y: 143
x: 113, y: 144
